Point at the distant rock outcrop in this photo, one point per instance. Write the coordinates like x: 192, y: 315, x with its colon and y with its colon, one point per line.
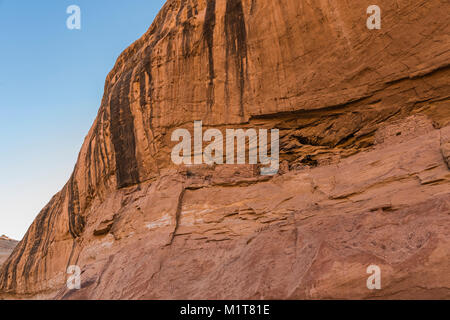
x: 7, y: 245
x: 364, y: 135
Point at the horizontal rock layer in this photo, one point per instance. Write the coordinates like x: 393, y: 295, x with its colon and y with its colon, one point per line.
x: 364, y: 135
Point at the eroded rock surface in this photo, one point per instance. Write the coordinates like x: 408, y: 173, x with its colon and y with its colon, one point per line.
x: 364, y: 135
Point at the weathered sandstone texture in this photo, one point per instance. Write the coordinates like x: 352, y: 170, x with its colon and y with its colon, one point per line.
x: 364, y: 119
x: 7, y: 245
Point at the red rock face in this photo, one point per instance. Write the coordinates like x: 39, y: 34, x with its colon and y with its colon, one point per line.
x: 364, y: 141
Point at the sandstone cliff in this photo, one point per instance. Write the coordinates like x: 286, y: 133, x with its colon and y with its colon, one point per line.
x: 364, y: 121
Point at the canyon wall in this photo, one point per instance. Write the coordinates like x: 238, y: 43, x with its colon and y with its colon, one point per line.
x: 364, y: 120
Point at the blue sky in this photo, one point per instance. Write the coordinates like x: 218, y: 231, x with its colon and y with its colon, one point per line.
x: 51, y: 85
